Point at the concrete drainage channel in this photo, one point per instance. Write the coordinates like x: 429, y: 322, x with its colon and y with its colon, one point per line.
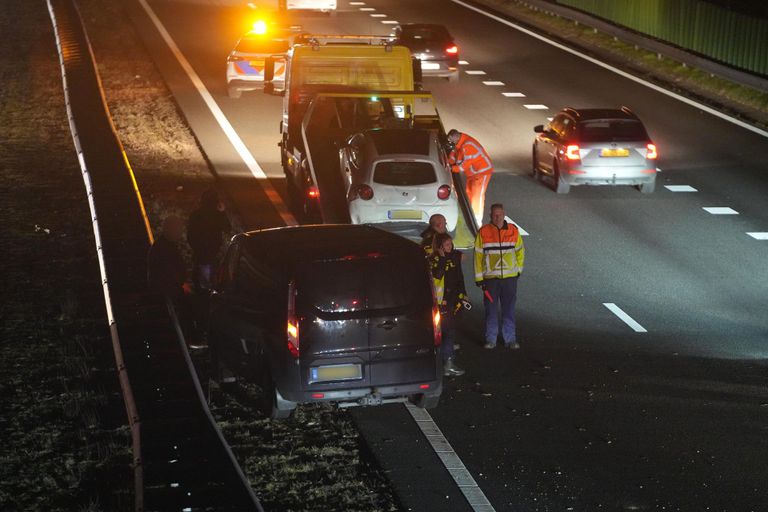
x: 181, y: 460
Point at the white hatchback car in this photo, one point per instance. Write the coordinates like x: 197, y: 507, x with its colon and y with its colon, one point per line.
x: 397, y: 175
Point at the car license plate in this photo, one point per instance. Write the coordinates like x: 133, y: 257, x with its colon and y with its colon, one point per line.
x: 335, y: 372
x: 429, y: 65
x: 614, y: 152
x: 405, y: 214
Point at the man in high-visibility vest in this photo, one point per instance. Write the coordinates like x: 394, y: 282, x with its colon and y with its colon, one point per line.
x: 471, y: 158
x: 499, y: 258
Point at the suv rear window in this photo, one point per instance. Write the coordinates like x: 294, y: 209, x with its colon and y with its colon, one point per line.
x: 262, y: 46
x: 404, y: 173
x: 354, y: 285
x: 601, y: 130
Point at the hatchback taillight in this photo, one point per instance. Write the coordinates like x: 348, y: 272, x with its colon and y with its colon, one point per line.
x: 452, y: 50
x: 652, y: 153
x: 444, y: 192
x: 365, y: 192
x: 572, y: 152
x: 292, y: 327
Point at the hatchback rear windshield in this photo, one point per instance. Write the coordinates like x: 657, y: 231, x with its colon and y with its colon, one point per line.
x: 404, y: 173
x: 601, y: 130
x: 357, y: 284
x: 262, y: 46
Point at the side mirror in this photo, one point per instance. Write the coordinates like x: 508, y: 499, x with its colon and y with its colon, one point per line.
x: 539, y: 128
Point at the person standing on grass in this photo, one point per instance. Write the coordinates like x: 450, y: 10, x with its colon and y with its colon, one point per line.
x: 205, y: 233
x: 499, y: 258
x: 450, y: 294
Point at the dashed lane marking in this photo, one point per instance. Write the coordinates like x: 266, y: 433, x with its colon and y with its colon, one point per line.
x: 378, y: 15
x: 222, y: 120
x: 616, y: 310
x: 616, y: 70
x: 493, y: 83
x: 474, y: 72
x: 463, y: 63
x: 450, y: 459
x: 720, y: 210
x: 759, y: 235
x: 367, y: 9
x: 680, y: 188
x: 390, y: 22
x: 536, y: 106
x: 356, y: 3
x: 513, y: 94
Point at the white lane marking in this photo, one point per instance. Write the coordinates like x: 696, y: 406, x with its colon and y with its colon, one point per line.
x: 463, y: 63
x: 536, y: 106
x: 513, y: 94
x: 356, y: 3
x: 757, y: 235
x: 493, y: 83
x: 658, y: 169
x: 519, y: 228
x: 378, y: 15
x: 680, y: 188
x: 367, y: 9
x: 224, y: 123
x: 550, y: 118
x: 474, y: 72
x: 720, y: 210
x: 450, y: 459
x: 616, y: 310
x: 619, y: 72
x: 390, y: 22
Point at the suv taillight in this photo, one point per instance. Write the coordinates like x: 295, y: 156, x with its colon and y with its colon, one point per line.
x: 365, y: 192
x: 652, y: 153
x: 292, y: 327
x: 452, y: 50
x: 572, y: 152
x: 444, y: 192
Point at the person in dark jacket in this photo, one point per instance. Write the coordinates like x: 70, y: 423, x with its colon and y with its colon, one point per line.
x: 205, y: 231
x: 445, y: 264
x: 437, y: 224
x: 166, y: 272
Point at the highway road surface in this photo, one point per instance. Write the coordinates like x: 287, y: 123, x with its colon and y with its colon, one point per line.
x: 642, y: 381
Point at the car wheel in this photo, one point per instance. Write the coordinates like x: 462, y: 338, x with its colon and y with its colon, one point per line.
x: 561, y: 186
x: 234, y: 92
x: 535, y: 172
x: 426, y: 401
x: 648, y: 188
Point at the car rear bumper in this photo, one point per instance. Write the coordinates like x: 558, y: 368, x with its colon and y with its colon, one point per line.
x: 445, y: 69
x: 377, y: 214
x: 372, y: 395
x: 609, y: 175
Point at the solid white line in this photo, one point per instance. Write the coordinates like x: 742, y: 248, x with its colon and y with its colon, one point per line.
x: 616, y: 310
x: 603, y: 65
x: 680, y: 188
x: 474, y: 72
x: 513, y: 94
x: 450, y: 459
x: 493, y: 83
x: 224, y: 123
x: 720, y: 210
x: 759, y: 235
x: 536, y: 106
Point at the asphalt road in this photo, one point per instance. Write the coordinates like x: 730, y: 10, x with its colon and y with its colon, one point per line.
x: 589, y: 415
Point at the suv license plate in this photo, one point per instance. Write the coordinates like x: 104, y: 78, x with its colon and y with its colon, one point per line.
x: 614, y: 152
x: 335, y: 372
x: 430, y: 65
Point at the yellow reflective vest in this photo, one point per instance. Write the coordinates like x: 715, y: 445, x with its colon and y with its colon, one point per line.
x: 499, y: 252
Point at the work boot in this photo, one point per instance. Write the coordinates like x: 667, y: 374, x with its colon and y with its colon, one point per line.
x: 451, y: 370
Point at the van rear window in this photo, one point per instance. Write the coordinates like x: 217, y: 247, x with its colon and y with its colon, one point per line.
x: 404, y: 173
x: 357, y: 284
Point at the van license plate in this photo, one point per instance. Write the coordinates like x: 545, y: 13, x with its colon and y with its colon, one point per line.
x: 614, y: 152
x: 405, y: 214
x: 335, y: 372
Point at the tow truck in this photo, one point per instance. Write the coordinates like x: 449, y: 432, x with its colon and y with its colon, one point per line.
x: 338, y: 85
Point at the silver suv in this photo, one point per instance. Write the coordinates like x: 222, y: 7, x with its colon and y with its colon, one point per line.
x: 595, y: 147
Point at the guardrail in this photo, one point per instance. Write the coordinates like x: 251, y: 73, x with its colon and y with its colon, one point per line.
x: 180, y: 459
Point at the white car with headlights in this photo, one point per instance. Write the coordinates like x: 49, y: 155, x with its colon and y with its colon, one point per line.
x: 397, y: 175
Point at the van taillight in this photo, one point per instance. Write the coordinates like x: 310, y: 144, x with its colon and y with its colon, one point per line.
x: 444, y: 192
x: 652, y: 153
x: 572, y: 152
x: 292, y: 328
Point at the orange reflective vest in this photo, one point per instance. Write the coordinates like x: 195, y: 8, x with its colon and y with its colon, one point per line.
x: 469, y: 156
x: 499, y: 253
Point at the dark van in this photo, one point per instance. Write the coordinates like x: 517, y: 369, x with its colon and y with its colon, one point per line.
x: 342, y: 314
